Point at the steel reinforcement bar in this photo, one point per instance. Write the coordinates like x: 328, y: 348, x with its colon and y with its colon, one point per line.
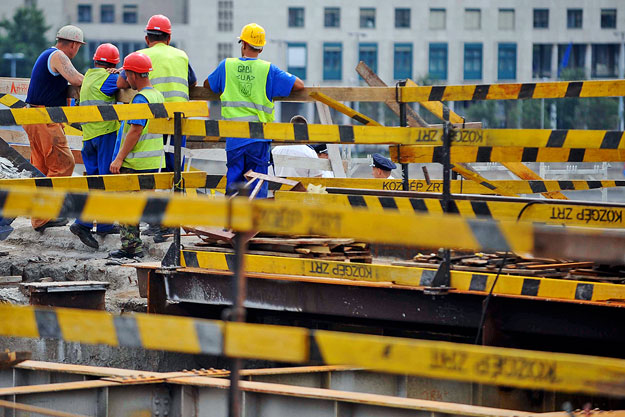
x: 488, y: 365
x: 240, y: 214
x: 81, y: 114
x: 480, y: 282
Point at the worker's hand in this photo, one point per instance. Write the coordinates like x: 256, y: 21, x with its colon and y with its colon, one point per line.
x: 113, y: 70
x: 116, y: 166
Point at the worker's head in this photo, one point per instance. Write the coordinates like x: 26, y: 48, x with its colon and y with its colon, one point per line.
x: 252, y: 39
x: 321, y: 149
x: 381, y: 166
x: 137, y: 66
x: 106, y: 56
x: 299, y: 119
x: 158, y: 30
x: 69, y: 39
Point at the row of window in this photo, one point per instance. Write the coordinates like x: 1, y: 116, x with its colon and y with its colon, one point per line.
x: 438, y: 18
x: 107, y: 13
x: 604, y: 60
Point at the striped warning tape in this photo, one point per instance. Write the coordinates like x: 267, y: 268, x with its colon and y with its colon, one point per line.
x: 121, y: 182
x: 543, y: 211
x: 11, y: 101
x: 410, y: 276
x: 438, y: 108
x: 199, y: 179
x: 80, y: 114
x: 240, y: 214
x: 517, y: 91
x: 373, y: 133
x: 421, y: 154
x: 454, y: 361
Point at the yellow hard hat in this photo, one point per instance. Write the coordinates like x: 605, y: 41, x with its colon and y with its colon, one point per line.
x: 253, y: 34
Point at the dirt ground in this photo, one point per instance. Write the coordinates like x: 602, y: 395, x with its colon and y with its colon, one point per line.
x: 58, y: 255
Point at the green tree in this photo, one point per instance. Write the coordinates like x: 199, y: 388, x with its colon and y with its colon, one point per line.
x: 24, y: 33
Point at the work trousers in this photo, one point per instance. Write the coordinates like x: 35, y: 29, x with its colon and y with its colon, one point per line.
x: 255, y: 157
x: 130, y: 235
x: 50, y: 153
x: 97, y: 155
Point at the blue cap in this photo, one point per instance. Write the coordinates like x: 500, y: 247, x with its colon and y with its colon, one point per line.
x: 382, y: 162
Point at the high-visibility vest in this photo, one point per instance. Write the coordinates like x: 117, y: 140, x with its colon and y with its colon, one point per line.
x: 170, y: 74
x: 91, y: 95
x: 147, y: 153
x: 245, y: 95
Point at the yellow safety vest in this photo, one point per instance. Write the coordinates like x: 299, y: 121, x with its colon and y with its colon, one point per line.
x: 170, y: 74
x: 245, y: 95
x: 91, y: 95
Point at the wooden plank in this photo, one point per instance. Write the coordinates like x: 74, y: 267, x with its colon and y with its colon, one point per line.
x: 525, y: 173
x: 37, y: 410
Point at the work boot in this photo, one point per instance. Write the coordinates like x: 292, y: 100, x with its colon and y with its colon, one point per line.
x: 61, y: 221
x: 160, y: 237
x: 112, y: 231
x: 84, y: 234
x: 120, y: 253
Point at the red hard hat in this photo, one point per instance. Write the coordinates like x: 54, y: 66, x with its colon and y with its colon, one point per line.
x: 159, y: 23
x: 107, y: 52
x: 138, y: 62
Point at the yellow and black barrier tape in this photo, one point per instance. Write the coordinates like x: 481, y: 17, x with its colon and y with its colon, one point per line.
x: 373, y: 133
x: 513, y: 91
x: 446, y: 360
x: 511, y: 285
x: 240, y: 214
x: 540, y: 211
x: 82, y: 114
x: 11, y: 101
x: 424, y: 155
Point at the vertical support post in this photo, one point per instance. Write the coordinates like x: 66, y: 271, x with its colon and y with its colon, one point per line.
x: 237, y: 314
x: 441, y: 282
x: 178, y: 188
x: 403, y: 122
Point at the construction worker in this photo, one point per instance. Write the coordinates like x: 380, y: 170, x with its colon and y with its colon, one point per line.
x: 172, y: 76
x: 49, y: 151
x: 247, y: 86
x: 98, y: 88
x: 382, y: 167
x: 140, y: 151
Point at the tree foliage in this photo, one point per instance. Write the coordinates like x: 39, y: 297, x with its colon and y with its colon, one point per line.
x: 24, y: 33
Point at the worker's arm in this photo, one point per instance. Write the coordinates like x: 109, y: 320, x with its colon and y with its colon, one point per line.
x: 192, y: 78
x: 298, y: 85
x: 122, y: 82
x: 132, y: 137
x: 60, y: 63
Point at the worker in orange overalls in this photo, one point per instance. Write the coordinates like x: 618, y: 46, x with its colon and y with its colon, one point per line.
x: 49, y: 151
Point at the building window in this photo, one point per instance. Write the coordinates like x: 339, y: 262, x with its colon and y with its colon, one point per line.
x: 605, y: 60
x: 541, y: 18
x: 402, y: 18
x: 296, y: 17
x: 571, y: 56
x: 438, y: 18
x: 472, y: 18
x: 224, y: 16
x: 608, y: 18
x: 438, y: 61
x: 130, y: 13
x: 107, y: 13
x: 332, y: 61
x: 367, y: 18
x: 506, y: 19
x: 574, y: 18
x: 332, y: 17
x: 506, y: 68
x: 296, y: 59
x: 472, y: 61
x: 84, y: 13
x: 402, y: 61
x: 541, y: 60
x: 368, y: 53
x: 224, y: 50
